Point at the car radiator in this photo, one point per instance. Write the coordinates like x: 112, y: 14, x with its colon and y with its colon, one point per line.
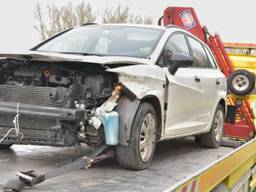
x: 37, y: 131
x: 27, y: 94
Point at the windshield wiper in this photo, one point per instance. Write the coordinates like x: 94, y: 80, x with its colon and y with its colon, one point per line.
x: 92, y: 54
x: 85, y: 54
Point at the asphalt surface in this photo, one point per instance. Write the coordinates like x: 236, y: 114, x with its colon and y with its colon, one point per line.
x: 174, y: 161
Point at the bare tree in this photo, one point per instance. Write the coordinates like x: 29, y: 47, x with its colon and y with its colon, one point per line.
x: 40, y: 27
x: 122, y: 15
x: 138, y: 19
x: 115, y: 15
x: 55, y: 19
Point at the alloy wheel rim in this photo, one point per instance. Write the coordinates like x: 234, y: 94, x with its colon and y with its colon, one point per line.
x: 147, y: 137
x: 218, y: 125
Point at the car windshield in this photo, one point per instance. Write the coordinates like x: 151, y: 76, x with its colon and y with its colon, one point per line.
x: 105, y: 41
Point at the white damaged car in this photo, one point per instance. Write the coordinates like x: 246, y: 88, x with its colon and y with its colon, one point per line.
x: 127, y: 86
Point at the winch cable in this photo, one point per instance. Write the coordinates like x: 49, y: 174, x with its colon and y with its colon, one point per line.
x: 16, y: 126
x: 32, y: 178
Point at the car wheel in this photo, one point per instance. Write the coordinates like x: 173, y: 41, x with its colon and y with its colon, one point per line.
x: 241, y: 82
x: 141, y: 147
x: 213, y: 138
x: 5, y: 146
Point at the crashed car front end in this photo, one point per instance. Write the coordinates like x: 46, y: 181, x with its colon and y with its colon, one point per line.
x: 72, y: 87
x: 52, y: 102
x: 56, y: 100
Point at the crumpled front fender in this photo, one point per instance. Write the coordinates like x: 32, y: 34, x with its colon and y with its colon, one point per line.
x: 143, y: 81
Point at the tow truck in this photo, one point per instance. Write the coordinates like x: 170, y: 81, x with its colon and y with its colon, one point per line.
x: 188, y: 168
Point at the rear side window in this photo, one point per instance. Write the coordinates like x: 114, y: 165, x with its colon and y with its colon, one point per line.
x: 199, y: 54
x: 175, y: 44
x: 210, y: 56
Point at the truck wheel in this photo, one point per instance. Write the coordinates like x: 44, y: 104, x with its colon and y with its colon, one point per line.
x: 140, y: 150
x: 241, y: 82
x: 5, y: 146
x: 213, y: 138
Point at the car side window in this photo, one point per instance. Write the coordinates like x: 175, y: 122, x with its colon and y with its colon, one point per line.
x: 210, y: 56
x: 199, y: 54
x: 175, y: 44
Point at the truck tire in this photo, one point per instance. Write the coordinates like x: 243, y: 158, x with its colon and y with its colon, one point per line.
x: 141, y: 147
x: 213, y: 138
x: 5, y: 146
x: 241, y: 82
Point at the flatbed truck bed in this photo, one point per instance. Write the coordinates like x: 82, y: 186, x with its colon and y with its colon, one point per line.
x: 175, y: 161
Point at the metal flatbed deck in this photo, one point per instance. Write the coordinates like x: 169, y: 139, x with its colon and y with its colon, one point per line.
x: 174, y: 161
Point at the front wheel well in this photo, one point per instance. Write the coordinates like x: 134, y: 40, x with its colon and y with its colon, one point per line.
x: 154, y: 101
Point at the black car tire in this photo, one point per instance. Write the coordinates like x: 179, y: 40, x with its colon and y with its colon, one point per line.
x: 143, y: 133
x: 213, y: 138
x: 241, y: 82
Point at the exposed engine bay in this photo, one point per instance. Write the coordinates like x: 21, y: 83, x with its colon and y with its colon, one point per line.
x: 53, y: 101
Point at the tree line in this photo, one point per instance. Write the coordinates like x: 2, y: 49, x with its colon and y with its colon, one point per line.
x: 53, y: 19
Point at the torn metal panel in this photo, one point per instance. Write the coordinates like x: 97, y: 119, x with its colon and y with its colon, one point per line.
x: 142, y: 80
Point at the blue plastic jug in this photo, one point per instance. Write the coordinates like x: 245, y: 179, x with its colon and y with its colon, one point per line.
x: 111, y: 127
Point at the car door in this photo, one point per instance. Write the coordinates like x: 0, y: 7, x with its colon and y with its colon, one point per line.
x: 210, y: 77
x: 185, y: 113
x: 217, y: 82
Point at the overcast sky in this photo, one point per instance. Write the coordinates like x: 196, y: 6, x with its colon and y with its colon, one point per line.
x: 234, y: 20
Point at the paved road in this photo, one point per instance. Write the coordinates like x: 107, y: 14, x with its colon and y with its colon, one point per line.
x: 174, y: 161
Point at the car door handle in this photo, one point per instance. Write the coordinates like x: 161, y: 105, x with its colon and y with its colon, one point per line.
x: 218, y: 82
x: 197, y: 79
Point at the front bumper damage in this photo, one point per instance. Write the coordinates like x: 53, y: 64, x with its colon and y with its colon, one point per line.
x: 36, y: 111
x: 40, y: 125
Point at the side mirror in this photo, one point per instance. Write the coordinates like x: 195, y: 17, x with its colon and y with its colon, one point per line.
x: 179, y: 60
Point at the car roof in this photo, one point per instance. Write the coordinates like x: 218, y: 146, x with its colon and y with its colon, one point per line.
x: 128, y: 25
